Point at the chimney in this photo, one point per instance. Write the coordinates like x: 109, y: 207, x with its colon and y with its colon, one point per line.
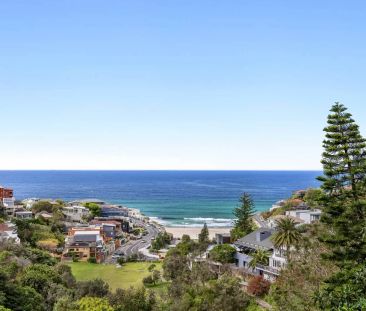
x: 262, y: 235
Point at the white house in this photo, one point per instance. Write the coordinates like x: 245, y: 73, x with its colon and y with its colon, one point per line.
x: 75, y: 213
x: 259, y: 239
x: 308, y: 216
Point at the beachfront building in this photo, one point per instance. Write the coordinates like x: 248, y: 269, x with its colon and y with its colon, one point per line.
x: 259, y: 239
x: 307, y: 216
x: 75, y: 213
x: 108, y: 210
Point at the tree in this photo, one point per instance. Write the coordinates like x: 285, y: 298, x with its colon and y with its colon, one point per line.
x: 313, y: 197
x: 344, y: 156
x: 175, y: 264
x: 344, y: 212
x: 223, y: 253
x: 204, y: 237
x: 260, y: 256
x: 286, y: 235
x: 258, y: 286
x: 215, y: 295
x: 343, y: 182
x: 94, y: 209
x: 132, y: 299
x: 94, y: 304
x: 243, y: 213
x: 93, y: 288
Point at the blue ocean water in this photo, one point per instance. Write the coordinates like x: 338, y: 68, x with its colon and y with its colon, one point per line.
x: 175, y: 198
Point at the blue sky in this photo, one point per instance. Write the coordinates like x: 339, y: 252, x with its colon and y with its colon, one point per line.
x: 176, y: 84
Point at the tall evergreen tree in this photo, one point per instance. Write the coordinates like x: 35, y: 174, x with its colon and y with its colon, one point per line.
x: 203, y: 237
x: 343, y: 182
x: 243, y: 213
x: 344, y: 156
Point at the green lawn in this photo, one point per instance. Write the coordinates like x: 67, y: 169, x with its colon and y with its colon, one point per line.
x: 130, y: 274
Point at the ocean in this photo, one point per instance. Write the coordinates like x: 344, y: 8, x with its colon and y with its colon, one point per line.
x: 174, y: 198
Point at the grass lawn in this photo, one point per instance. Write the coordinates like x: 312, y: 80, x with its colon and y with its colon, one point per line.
x: 130, y: 274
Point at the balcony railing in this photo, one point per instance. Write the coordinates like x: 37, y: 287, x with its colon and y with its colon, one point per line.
x: 272, y: 270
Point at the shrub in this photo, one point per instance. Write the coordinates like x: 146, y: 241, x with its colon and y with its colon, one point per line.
x: 148, y: 280
x: 223, y: 253
x: 258, y: 286
x: 121, y: 261
x: 92, y: 260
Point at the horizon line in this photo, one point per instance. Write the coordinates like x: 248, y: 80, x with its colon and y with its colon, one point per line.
x: 165, y: 170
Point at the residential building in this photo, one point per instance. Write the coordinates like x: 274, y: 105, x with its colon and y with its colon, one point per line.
x: 28, y: 203
x: 307, y: 216
x: 76, y: 213
x: 84, y: 243
x: 259, y: 239
x: 5, y: 193
x: 120, y: 222
x: 223, y: 238
x: 23, y: 215
x: 272, y: 221
x: 113, y: 210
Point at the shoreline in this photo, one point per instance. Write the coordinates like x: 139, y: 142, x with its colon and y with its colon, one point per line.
x: 193, y: 232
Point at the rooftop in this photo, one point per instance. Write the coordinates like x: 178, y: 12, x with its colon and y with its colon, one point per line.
x: 258, y: 239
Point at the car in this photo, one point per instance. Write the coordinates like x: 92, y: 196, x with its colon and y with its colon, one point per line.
x: 143, y: 241
x: 116, y: 256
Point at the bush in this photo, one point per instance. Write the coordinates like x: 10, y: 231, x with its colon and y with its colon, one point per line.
x: 223, y: 253
x: 92, y: 260
x: 121, y: 261
x: 148, y: 280
x: 258, y: 286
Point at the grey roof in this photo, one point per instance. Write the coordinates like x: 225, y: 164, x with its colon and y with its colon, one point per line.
x: 85, y: 238
x: 251, y: 240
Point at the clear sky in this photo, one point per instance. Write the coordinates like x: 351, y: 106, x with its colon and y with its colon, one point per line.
x: 87, y: 84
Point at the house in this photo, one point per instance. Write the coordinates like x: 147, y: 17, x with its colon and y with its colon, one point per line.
x: 7, y: 200
x: 6, y: 193
x: 122, y: 223
x: 8, y: 232
x: 76, y: 213
x: 108, y: 210
x: 223, y: 238
x: 44, y: 215
x: 23, y: 215
x: 307, y: 216
x: 272, y: 221
x: 84, y: 243
x: 259, y: 239
x: 28, y: 203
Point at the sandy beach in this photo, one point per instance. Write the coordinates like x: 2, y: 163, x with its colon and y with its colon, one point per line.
x: 193, y: 232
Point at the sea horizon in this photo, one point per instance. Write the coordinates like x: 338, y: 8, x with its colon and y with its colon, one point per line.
x: 187, y: 198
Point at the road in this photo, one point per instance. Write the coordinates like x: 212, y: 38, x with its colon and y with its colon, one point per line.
x: 133, y: 246
x: 260, y: 221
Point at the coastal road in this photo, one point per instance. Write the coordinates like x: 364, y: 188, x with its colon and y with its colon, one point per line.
x: 260, y: 221
x: 133, y: 246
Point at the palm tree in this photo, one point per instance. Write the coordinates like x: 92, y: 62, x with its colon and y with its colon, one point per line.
x: 286, y: 234
x: 260, y: 256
